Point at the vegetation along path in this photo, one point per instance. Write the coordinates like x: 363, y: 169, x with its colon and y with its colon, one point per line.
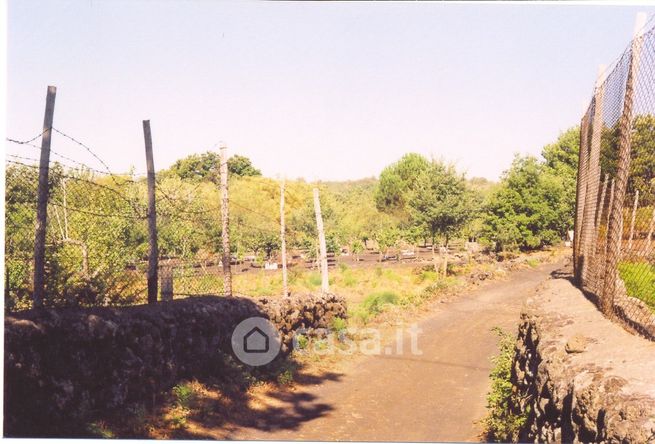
x: 436, y: 396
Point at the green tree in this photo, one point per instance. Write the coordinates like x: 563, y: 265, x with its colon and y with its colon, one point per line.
x: 206, y: 166
x: 529, y: 210
x: 241, y: 166
x: 397, y: 181
x: 440, y: 202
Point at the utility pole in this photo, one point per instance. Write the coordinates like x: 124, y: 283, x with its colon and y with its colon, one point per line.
x: 325, y: 285
x: 283, y: 243
x: 153, y: 254
x: 42, y: 200
x: 225, y: 216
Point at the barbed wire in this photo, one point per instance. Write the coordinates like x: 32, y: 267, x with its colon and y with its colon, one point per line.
x: 27, y: 142
x: 93, y: 213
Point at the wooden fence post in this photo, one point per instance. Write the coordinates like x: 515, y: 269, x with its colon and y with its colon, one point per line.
x: 325, y: 285
x: 42, y: 200
x: 588, y: 242
x: 583, y: 159
x: 225, y: 218
x: 615, y: 227
x: 632, y: 221
x: 283, y: 243
x: 601, y: 203
x: 607, y: 222
x: 651, y: 228
x: 153, y: 253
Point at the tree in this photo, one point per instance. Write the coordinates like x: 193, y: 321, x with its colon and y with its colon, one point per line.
x: 397, y: 181
x: 205, y: 166
x: 561, y: 161
x: 440, y: 201
x: 241, y: 166
x: 529, y: 210
x: 386, y: 238
x: 642, y: 164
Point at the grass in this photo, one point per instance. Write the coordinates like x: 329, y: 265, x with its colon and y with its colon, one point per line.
x: 368, y: 291
x: 639, y: 279
x: 502, y: 423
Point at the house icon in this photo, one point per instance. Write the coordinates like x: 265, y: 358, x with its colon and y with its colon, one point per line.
x: 256, y: 341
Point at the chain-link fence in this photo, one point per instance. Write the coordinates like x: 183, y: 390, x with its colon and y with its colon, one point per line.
x: 614, y: 256
x: 97, y: 245
x: 96, y: 236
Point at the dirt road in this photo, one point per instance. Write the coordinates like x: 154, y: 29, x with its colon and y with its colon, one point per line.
x: 436, y: 396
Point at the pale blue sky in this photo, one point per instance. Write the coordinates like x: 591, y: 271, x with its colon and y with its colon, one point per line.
x: 321, y: 90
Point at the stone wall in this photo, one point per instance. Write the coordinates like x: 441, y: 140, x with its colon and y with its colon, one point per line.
x: 64, y: 365
x: 578, y: 376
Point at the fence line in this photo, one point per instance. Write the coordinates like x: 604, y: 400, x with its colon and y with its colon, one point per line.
x: 613, y: 257
x: 96, y: 246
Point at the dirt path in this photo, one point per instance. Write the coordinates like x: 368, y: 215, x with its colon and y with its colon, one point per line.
x: 436, y: 396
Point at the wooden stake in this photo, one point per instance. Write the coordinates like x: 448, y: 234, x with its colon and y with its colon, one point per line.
x: 632, y: 221
x: 650, y: 229
x: 607, y: 222
x: 325, y: 285
x: 42, y: 200
x: 283, y: 243
x: 601, y: 204
x: 225, y: 217
x: 153, y: 254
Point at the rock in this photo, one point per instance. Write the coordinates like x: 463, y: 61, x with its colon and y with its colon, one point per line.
x: 576, y: 344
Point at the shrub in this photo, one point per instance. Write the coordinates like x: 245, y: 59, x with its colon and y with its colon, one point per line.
x: 502, y: 423
x: 285, y: 377
x: 100, y: 430
x: 184, y: 395
x: 339, y: 324
x: 375, y: 302
x: 302, y: 341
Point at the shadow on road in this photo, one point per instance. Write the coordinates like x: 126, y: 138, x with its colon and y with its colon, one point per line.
x: 226, y: 405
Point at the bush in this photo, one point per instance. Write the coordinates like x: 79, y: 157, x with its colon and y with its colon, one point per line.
x: 285, y: 377
x: 502, y: 423
x: 375, y: 302
x: 339, y: 325
x: 184, y: 395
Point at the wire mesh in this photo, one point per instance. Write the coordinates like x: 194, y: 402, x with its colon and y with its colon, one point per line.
x: 96, y: 234
x: 615, y: 221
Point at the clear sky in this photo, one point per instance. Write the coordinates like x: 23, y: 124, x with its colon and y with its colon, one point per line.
x: 316, y: 90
